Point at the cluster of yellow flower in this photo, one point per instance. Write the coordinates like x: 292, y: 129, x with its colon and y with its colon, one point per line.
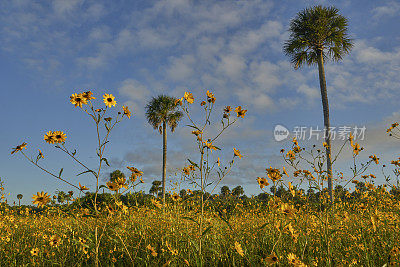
x: 81, y: 99
x: 291, y: 154
x: 55, y: 137
x: 116, y: 185
x: 186, y: 170
x: 356, y: 147
x: 211, y: 99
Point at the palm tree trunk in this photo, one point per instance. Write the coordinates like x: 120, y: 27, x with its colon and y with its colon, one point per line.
x: 325, y: 107
x: 164, y: 174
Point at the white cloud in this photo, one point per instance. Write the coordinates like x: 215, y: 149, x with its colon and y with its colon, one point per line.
x: 266, y: 75
x: 390, y: 9
x: 232, y: 66
x: 310, y: 92
x: 137, y: 93
x: 62, y: 7
x: 181, y: 68
x: 255, y: 99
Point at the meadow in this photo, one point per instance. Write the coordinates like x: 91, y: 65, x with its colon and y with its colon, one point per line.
x: 304, y: 215
x: 360, y: 231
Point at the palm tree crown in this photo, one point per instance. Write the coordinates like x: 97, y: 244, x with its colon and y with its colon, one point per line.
x: 163, y: 109
x: 315, y: 30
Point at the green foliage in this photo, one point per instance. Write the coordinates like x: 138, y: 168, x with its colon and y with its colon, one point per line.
x: 317, y: 29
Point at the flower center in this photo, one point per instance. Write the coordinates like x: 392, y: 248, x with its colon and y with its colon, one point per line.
x: 109, y: 99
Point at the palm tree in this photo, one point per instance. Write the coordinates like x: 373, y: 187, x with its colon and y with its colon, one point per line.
x: 225, y: 191
x: 237, y: 191
x: 155, y: 188
x: 160, y: 112
x: 19, y: 196
x: 318, y: 34
x: 116, y: 174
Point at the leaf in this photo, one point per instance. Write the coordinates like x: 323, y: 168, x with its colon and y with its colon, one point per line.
x: 217, y: 148
x: 85, y: 172
x: 108, y: 129
x: 102, y: 186
x: 193, y: 127
x: 194, y: 164
x: 105, y: 161
x: 206, y: 231
x: 262, y: 226
x: 62, y: 169
x: 73, y: 153
x: 191, y: 219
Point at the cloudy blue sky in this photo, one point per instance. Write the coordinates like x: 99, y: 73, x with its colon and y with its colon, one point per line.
x: 139, y: 49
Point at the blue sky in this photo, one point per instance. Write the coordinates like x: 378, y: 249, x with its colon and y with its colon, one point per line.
x: 51, y: 49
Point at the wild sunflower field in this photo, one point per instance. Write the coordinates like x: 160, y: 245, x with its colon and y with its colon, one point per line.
x: 249, y: 232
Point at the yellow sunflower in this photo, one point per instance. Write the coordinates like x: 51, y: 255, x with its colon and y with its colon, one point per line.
x: 35, y: 252
x: 156, y: 203
x: 82, y: 187
x: 271, y: 259
x: 88, y: 95
x: 78, y: 100
x: 356, y: 148
x: 189, y: 97
x: 209, y: 145
x: 291, y: 155
x: 210, y: 97
x: 109, y: 100
x: 112, y: 186
x: 240, y: 112
x: 273, y: 174
x: 49, y: 137
x: 237, y: 153
x: 288, y: 210
x: 41, y: 199
x: 186, y: 170
x: 127, y: 112
x: 262, y: 182
x: 59, y: 136
x: 227, y: 109
x: 135, y: 173
x: 55, y: 241
x: 19, y: 148
x: 239, y: 249
x: 374, y: 158
x: 121, y: 182
x: 175, y: 197
x: 152, y: 250
x: 178, y: 101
